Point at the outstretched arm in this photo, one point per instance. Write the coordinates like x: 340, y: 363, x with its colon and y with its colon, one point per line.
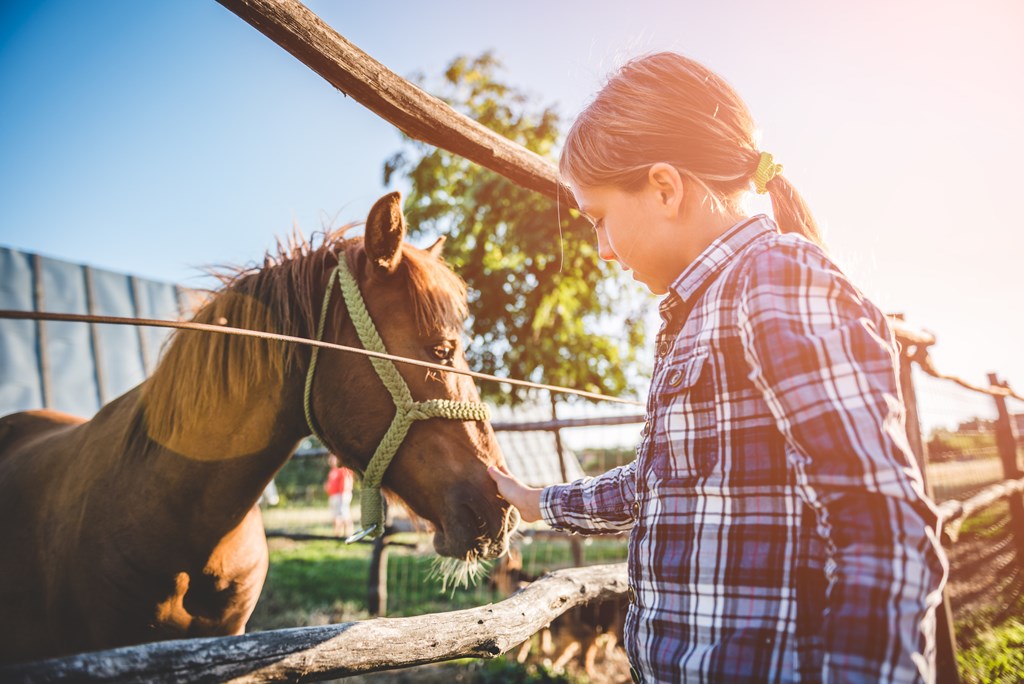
x: 591, y: 505
x: 525, y: 499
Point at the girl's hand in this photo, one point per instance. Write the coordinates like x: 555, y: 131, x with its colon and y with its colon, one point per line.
x: 525, y: 499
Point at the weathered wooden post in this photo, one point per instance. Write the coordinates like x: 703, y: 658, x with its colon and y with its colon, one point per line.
x: 575, y: 543
x: 377, y: 590
x: 1006, y: 440
x: 39, y: 303
x: 945, y: 638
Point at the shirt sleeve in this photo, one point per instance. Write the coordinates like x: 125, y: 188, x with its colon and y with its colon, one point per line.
x: 592, y: 505
x: 826, y: 363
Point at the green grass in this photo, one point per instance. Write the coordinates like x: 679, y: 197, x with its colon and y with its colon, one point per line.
x: 989, y: 628
x: 944, y: 444
x: 997, y: 656
x: 315, y: 582
x: 320, y: 582
x: 984, y: 523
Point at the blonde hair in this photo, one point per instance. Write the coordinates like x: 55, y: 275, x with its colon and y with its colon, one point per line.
x: 668, y: 108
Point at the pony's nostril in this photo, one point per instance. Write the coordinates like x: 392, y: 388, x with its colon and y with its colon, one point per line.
x: 478, y: 521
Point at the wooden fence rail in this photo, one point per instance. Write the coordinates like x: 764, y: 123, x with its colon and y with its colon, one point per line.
x: 295, y: 28
x: 307, y: 654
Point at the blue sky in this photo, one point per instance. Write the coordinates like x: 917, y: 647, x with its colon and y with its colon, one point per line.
x: 160, y: 137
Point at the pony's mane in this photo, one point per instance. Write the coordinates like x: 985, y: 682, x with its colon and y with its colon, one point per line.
x: 199, y: 371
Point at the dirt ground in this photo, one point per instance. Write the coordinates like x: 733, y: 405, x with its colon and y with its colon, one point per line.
x: 611, y: 667
x: 986, y: 579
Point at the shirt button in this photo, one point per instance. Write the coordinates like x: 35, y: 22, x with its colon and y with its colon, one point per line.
x: 647, y: 428
x: 663, y: 349
x: 631, y: 593
x: 675, y: 378
x: 636, y: 509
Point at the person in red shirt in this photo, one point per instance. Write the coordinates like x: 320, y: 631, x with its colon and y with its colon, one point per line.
x: 339, y: 496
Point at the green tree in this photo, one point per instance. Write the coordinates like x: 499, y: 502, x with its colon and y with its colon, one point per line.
x: 543, y: 305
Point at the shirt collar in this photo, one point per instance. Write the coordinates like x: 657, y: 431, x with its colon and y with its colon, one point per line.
x: 715, y: 257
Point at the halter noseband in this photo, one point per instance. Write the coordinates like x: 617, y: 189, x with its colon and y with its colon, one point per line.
x: 407, y: 410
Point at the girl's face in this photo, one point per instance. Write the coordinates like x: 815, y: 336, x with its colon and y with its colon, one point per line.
x: 636, y: 230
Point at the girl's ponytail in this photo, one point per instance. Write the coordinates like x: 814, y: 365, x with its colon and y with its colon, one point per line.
x: 791, y: 212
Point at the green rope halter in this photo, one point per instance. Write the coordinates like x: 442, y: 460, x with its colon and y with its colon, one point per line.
x: 407, y: 410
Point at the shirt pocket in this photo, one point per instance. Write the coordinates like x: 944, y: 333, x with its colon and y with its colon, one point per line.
x: 688, y: 427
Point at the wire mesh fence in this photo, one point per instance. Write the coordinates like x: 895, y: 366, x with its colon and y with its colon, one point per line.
x: 958, y: 428
x: 593, y: 439
x: 415, y: 587
x: 961, y: 431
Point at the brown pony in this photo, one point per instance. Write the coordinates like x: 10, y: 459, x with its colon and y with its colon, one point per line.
x: 141, y: 524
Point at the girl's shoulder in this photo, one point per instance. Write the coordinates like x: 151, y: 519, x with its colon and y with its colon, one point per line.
x: 782, y: 247
x: 787, y: 275
x: 785, y: 259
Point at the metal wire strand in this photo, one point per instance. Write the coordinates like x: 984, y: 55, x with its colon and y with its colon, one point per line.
x: 227, y: 330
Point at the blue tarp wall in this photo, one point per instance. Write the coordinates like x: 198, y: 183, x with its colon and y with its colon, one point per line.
x: 77, y: 367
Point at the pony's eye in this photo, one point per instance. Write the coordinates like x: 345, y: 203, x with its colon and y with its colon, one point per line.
x: 444, y: 353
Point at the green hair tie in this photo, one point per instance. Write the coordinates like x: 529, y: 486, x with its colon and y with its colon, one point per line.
x: 766, y: 170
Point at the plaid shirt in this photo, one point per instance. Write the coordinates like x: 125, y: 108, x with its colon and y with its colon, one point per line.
x: 779, y: 527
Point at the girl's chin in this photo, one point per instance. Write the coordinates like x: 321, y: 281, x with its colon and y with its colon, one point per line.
x: 654, y: 288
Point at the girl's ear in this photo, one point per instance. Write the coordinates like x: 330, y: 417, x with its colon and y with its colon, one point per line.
x: 665, y: 181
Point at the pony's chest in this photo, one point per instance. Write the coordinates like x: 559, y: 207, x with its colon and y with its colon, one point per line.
x: 218, y: 598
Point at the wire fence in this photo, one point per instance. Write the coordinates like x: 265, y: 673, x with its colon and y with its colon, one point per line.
x: 958, y: 428
x: 961, y: 431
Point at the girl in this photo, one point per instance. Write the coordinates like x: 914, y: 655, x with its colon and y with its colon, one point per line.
x: 779, y: 529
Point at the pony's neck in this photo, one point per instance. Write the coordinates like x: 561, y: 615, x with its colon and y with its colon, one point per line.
x: 231, y: 426
x: 216, y: 472
x: 225, y: 411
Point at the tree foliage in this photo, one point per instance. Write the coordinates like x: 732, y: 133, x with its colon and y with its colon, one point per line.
x: 543, y: 305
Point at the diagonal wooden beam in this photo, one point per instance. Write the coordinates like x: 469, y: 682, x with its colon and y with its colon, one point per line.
x: 419, y: 115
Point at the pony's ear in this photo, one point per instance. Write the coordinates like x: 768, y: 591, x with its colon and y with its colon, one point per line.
x: 434, y: 250
x: 385, y: 230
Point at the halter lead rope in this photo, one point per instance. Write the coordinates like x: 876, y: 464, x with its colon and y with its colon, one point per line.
x: 406, y: 410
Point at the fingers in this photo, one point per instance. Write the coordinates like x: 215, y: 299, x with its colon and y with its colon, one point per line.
x: 501, y: 473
